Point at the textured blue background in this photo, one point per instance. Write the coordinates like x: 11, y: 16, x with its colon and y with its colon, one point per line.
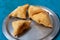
x: 6, y: 6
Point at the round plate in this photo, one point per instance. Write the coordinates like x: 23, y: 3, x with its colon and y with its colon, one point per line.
x: 37, y: 32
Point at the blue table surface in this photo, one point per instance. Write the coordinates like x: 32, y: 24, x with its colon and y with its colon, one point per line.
x: 6, y: 6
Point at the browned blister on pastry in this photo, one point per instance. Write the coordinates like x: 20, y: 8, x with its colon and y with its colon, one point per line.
x: 19, y: 26
x: 20, y: 11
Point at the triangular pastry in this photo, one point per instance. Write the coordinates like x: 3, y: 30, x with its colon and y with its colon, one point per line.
x: 32, y: 10
x: 20, y: 11
x: 42, y: 18
x: 19, y: 26
x: 39, y: 15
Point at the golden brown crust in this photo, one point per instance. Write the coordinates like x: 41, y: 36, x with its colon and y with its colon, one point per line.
x: 20, y: 11
x: 42, y: 18
x: 39, y: 15
x: 34, y: 10
x: 19, y: 26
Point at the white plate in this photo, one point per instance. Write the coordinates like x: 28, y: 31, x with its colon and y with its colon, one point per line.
x: 37, y: 32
